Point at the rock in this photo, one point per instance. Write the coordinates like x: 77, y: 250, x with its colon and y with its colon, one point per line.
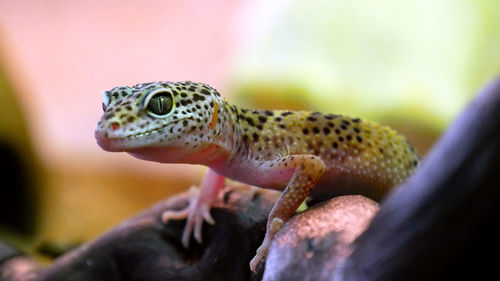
x: 312, y: 244
x: 144, y: 248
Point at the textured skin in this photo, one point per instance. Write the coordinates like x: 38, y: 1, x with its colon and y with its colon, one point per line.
x: 303, y: 153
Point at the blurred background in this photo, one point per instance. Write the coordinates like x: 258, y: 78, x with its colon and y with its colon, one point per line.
x: 411, y: 65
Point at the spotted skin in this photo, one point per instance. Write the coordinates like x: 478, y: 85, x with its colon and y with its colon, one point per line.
x: 300, y: 152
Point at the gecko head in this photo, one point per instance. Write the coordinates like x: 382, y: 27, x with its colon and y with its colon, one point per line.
x: 156, y: 114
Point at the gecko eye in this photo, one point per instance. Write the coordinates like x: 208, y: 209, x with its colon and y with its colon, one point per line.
x: 159, y: 103
x: 106, y: 98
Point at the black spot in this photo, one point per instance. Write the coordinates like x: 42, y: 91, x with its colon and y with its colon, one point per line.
x: 381, y: 150
x: 315, y: 130
x: 331, y: 116
x: 345, y: 122
x: 130, y: 119
x: 349, y: 137
x: 268, y: 112
x: 305, y: 131
x: 184, y: 95
x: 205, y: 92
x: 312, y: 119
x: 278, y: 119
x: 259, y: 126
x: 326, y: 130
x: 337, y: 131
x: 341, y: 139
x: 286, y: 113
x: 262, y: 119
x: 184, y: 123
x: 282, y: 126
x: 335, y: 144
x: 186, y: 102
x: 356, y: 120
x: 250, y: 121
x: 343, y: 127
x: 357, y: 130
x: 255, y: 137
x: 197, y: 97
x: 359, y: 139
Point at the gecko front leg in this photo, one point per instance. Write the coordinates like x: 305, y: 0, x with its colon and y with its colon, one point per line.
x: 199, y: 206
x: 308, y: 170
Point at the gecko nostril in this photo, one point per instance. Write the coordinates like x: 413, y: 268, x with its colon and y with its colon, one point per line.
x: 114, y: 126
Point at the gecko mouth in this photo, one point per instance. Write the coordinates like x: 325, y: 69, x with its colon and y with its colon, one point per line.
x: 128, y: 142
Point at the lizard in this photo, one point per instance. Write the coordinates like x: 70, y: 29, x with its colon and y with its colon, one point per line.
x: 300, y: 153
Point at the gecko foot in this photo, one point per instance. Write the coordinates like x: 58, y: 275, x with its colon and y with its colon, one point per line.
x: 273, y: 228
x: 197, y: 211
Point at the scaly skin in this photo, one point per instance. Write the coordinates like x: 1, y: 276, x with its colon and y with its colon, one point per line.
x: 302, y: 153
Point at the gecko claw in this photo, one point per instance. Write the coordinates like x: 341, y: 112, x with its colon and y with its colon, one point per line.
x: 275, y: 225
x: 195, y: 213
x: 261, y: 253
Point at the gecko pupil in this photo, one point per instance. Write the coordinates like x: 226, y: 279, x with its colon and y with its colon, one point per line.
x: 160, y: 104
